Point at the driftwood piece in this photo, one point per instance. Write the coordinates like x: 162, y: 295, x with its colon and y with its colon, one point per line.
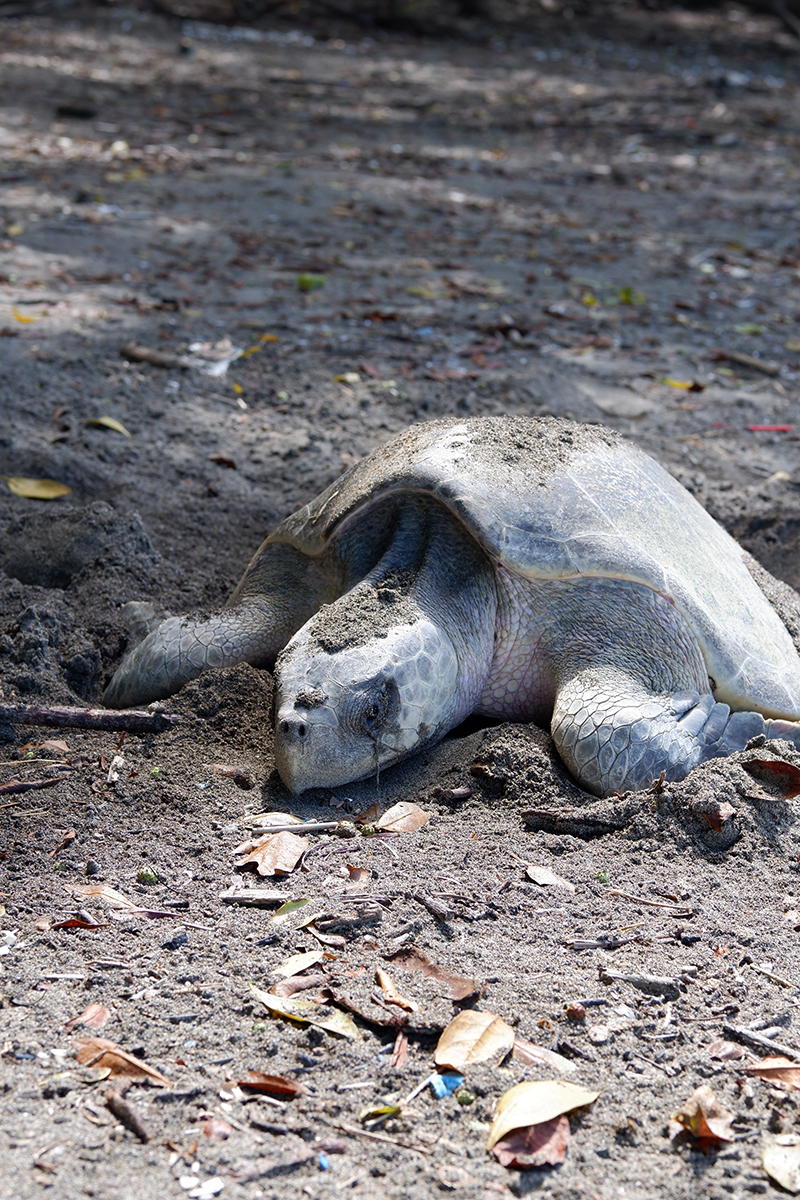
x: 156, y: 358
x: 128, y: 721
x: 127, y: 1114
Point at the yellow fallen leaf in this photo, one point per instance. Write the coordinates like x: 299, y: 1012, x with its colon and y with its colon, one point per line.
x: 782, y: 1163
x: 678, y: 383
x: 473, y: 1037
x: 348, y: 377
x: 306, y: 1011
x: 268, y: 337
x: 36, y: 489
x: 250, y: 350
x: 15, y: 229
x: 237, y: 387
x: 536, y: 1101
x: 21, y: 316
x: 298, y: 962
x: 110, y: 423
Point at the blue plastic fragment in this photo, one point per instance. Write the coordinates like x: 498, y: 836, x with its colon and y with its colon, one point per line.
x: 445, y: 1085
x: 324, y: 1162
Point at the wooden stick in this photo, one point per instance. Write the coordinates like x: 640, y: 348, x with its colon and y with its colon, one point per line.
x: 88, y: 718
x: 751, y: 1038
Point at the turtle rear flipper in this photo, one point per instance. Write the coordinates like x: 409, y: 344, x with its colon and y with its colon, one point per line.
x: 616, y: 735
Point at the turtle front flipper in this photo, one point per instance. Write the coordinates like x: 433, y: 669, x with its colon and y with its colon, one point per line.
x: 181, y: 648
x: 280, y: 590
x: 615, y: 735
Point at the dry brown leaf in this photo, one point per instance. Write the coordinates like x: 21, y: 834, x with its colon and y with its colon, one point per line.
x: 276, y: 853
x: 359, y: 878
x: 776, y: 1068
x: 532, y: 1055
x: 534, y: 1103
x: 100, y: 891
x: 99, y: 1052
x: 298, y: 983
x: 718, y: 813
x: 725, y: 1051
x: 214, y: 1128
x: 409, y: 958
x: 545, y: 878
x: 56, y: 744
x: 273, y: 1085
x: 473, y: 1037
x: 537, y: 1146
x: 391, y: 994
x: 94, y: 1015
x: 404, y: 817
x: 704, y: 1119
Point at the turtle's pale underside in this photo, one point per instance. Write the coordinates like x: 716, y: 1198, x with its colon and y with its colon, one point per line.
x: 523, y: 568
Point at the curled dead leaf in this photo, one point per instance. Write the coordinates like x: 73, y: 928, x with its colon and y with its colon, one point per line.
x: 404, y: 817
x: 537, y: 1146
x: 784, y: 774
x: 275, y: 853
x: 94, y: 1015
x: 99, y: 1052
x: 273, y: 1085
x: 704, y: 1119
x: 410, y: 958
x: 776, y: 1068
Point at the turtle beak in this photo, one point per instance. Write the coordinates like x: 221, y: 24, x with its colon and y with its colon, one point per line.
x: 307, y: 747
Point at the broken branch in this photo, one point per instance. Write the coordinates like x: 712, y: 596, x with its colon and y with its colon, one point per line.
x: 129, y: 720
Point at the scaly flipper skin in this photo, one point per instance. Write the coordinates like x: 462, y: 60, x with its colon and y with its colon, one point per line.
x: 646, y: 707
x: 280, y: 591
x: 615, y: 736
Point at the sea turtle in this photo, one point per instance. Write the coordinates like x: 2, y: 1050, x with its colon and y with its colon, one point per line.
x: 524, y: 568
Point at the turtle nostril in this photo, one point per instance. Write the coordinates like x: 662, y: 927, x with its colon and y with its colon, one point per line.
x: 301, y: 730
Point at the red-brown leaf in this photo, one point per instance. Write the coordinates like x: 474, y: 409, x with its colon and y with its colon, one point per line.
x: 536, y: 1146
x: 786, y: 773
x: 274, y: 1085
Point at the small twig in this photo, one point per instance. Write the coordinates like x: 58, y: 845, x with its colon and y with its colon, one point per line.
x: 125, y: 1112
x: 26, y: 785
x: 298, y: 827
x: 679, y: 910
x: 88, y: 718
x: 751, y: 1038
x: 376, y: 1137
x: 787, y: 983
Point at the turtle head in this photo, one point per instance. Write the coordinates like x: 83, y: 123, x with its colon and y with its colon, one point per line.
x: 345, y: 707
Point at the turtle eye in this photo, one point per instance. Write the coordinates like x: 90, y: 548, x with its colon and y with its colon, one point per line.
x: 374, y: 706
